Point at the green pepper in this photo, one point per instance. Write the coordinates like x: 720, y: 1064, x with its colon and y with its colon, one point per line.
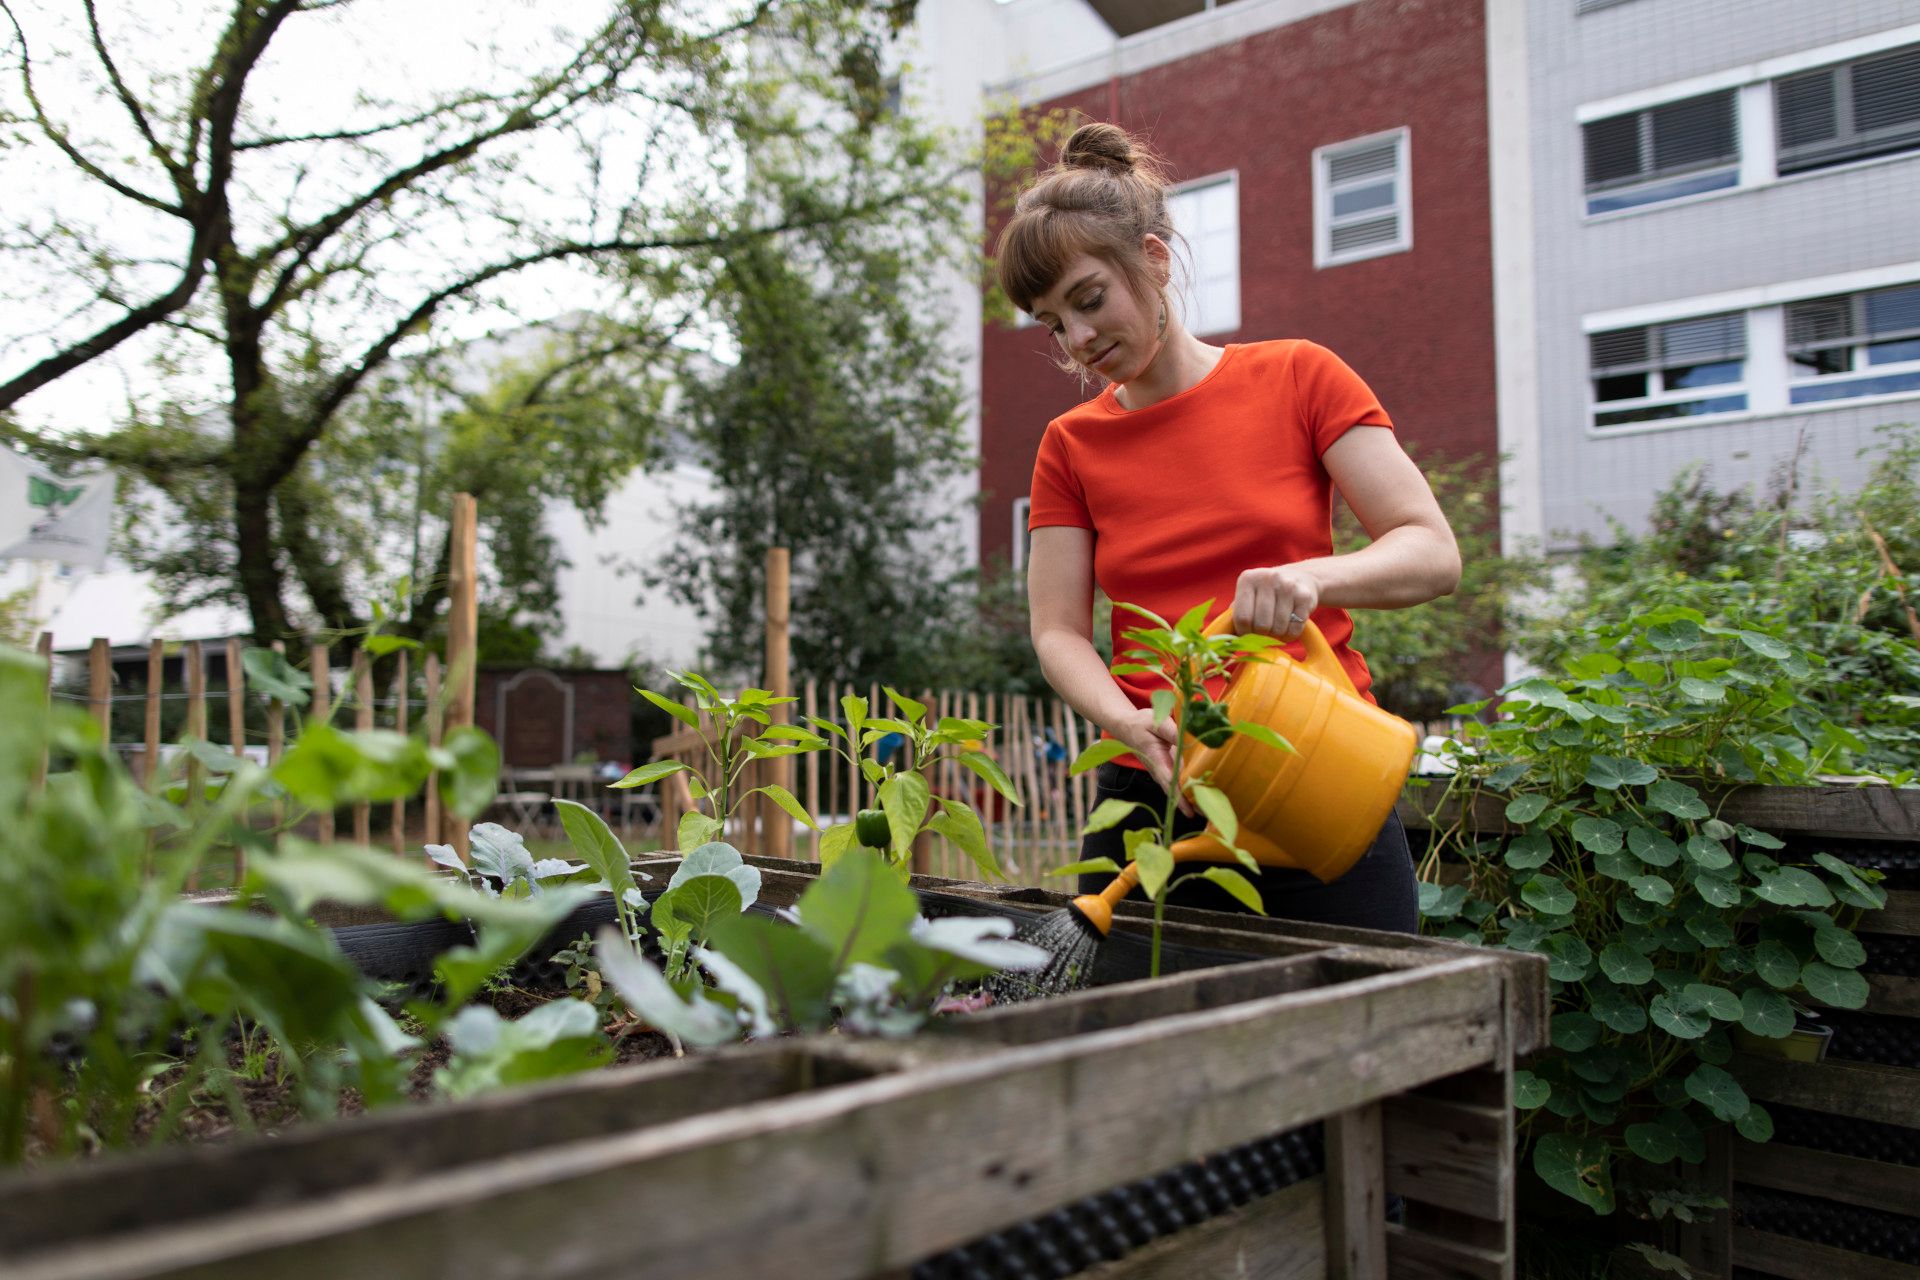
x: 1207, y: 721
x: 871, y: 828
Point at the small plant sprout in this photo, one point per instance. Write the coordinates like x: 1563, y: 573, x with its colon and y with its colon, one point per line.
x: 1190, y: 662
x: 731, y: 743
x: 902, y: 792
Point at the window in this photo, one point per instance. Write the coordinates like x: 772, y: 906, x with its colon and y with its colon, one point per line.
x: 1674, y: 149
x: 1021, y: 538
x: 1362, y: 202
x: 1207, y: 216
x: 1680, y: 369
x: 1852, y: 111
x: 1854, y: 344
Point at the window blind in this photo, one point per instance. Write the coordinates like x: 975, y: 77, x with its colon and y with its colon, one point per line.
x: 1670, y: 139
x: 1852, y: 111
x: 1849, y: 319
x: 1675, y: 344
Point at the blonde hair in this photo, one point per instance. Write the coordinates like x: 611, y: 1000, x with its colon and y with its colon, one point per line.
x: 1106, y: 194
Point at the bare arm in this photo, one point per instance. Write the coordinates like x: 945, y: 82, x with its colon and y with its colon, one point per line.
x: 1060, y: 608
x: 1412, y: 559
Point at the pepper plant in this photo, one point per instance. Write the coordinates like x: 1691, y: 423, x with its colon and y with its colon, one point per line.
x: 1191, y: 663
x: 1665, y: 926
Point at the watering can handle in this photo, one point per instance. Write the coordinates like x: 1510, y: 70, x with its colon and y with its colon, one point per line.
x: 1320, y: 657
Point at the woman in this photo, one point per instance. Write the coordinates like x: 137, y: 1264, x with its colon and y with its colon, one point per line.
x: 1200, y: 472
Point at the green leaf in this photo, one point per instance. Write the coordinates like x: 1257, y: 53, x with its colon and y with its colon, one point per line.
x: 650, y: 773
x: 1677, y: 798
x: 1720, y: 1003
x: 1652, y: 847
x: 1616, y: 865
x: 1652, y: 1142
x: 835, y: 842
x: 696, y: 829
x: 1088, y: 867
x: 1654, y: 889
x: 1718, y: 1092
x: 1840, y: 988
x: 595, y: 844
x: 915, y: 712
x: 1697, y: 690
x: 469, y: 786
x: 1579, y: 1167
x: 1710, y: 931
x: 1530, y: 1091
x: 270, y: 673
x: 698, y: 1021
x: 1596, y: 835
x: 1793, y: 887
x: 1766, y: 1013
x: 1754, y: 1124
x: 855, y: 710
x: 716, y: 858
x: 1263, y: 734
x: 1839, y: 948
x: 1526, y: 852
x: 1708, y: 854
x: 1098, y: 754
x: 1110, y: 813
x: 905, y: 797
x: 1547, y: 893
x: 1857, y: 891
x: 678, y: 710
x: 1162, y: 703
x: 960, y: 825
x: 1717, y: 892
x: 702, y: 901
x: 1624, y: 965
x: 1524, y: 809
x: 1610, y: 773
x: 989, y: 768
x: 1573, y: 1032
x: 1619, y: 1011
x: 1155, y: 864
x: 785, y: 799
x: 1775, y: 964
x: 1674, y: 637
x: 1679, y: 1017
x: 488, y: 1052
x: 1766, y: 646
x: 857, y: 909
x: 1758, y: 839
x: 1571, y: 959
x: 1218, y: 810
x: 1238, y: 885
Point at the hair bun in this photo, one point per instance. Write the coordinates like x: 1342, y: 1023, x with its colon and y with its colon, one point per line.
x: 1100, y: 146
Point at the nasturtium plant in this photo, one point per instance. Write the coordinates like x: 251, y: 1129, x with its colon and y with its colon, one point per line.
x: 1665, y: 927
x: 1181, y: 654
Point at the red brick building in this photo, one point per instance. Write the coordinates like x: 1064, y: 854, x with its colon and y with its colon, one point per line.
x: 1335, y: 187
x: 543, y: 717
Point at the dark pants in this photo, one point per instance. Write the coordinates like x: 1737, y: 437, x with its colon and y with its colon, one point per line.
x: 1378, y: 892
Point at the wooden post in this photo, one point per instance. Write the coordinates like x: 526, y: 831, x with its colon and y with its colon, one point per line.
x: 811, y: 707
x: 462, y: 628
x: 400, y: 726
x: 237, y: 730
x: 100, y: 686
x: 431, y: 819
x: 990, y: 712
x: 1356, y: 1195
x: 363, y: 721
x: 322, y: 712
x: 45, y: 650
x: 194, y: 659
x: 277, y: 736
x: 777, y: 827
x: 156, y: 680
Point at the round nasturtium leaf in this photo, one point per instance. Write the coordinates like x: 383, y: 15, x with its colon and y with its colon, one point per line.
x: 1530, y: 1091
x: 1597, y: 835
x: 1697, y: 690
x: 1580, y: 1167
x: 1574, y: 1031
x: 1571, y: 959
x: 1679, y: 1017
x: 1775, y: 964
x: 1674, y: 637
x: 1618, y: 1011
x: 1720, y: 1003
x: 1524, y: 809
x: 1526, y: 852
x: 1624, y: 965
x: 1652, y: 889
x: 1841, y: 988
x: 1652, y: 847
x: 1634, y: 911
x: 1718, y: 1092
x: 1653, y: 1143
x: 1610, y: 773
x: 1766, y: 1013
x: 1839, y: 948
x: 1717, y: 892
x: 1547, y: 893
x: 1755, y: 1125
x: 1710, y: 931
x: 1707, y: 853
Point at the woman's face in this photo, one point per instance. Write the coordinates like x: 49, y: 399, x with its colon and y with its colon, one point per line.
x: 1098, y: 322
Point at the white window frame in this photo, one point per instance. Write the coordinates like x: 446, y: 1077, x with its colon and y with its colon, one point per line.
x: 1022, y: 507
x: 1759, y: 146
x: 1661, y: 395
x: 1858, y: 370
x: 1229, y: 322
x: 1323, y: 193
x: 1769, y: 377
x: 1647, y: 190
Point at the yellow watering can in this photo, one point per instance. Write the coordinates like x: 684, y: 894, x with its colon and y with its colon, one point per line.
x: 1316, y: 808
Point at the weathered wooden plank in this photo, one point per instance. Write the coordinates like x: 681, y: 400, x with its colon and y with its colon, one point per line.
x: 1892, y: 994
x: 1706, y: 1243
x: 1277, y: 1237
x: 1778, y: 1255
x: 849, y: 1181
x: 1901, y: 914
x: 1864, y: 1090
x: 1856, y: 813
x: 100, y: 686
x: 1447, y: 1154
x: 1413, y: 1255
x: 1356, y: 1197
x: 1848, y: 1179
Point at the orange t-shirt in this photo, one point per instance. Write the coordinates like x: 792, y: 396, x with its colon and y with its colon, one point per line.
x: 1184, y: 495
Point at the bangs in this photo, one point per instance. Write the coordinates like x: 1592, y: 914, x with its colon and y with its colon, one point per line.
x: 1036, y: 248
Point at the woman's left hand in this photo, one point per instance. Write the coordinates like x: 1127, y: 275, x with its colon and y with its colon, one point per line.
x: 1276, y: 601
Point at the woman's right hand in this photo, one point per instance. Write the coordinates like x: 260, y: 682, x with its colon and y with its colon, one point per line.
x: 1153, y: 742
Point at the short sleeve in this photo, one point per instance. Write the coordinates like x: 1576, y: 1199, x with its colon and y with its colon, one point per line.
x: 1057, y: 497
x: 1332, y: 397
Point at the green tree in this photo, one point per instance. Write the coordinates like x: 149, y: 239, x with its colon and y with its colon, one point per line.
x: 281, y: 262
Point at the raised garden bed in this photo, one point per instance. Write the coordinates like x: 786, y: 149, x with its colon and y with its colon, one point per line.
x: 829, y: 1156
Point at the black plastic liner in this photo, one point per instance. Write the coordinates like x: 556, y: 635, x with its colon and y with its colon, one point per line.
x: 1112, y: 1224
x: 1899, y: 859
x: 1844, y: 1135
x: 1893, y: 1236
x: 1891, y: 953
x: 1873, y: 1037
x: 402, y: 955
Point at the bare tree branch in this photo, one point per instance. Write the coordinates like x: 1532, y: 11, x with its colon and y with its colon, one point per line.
x: 182, y: 180
x: 355, y: 135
